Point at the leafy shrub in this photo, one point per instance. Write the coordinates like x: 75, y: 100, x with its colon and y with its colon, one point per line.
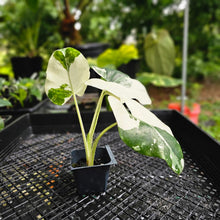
x: 117, y: 57
x: 24, y: 92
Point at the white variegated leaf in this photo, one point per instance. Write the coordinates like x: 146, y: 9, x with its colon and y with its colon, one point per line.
x: 147, y: 139
x: 121, y: 85
x: 67, y: 71
x: 142, y: 113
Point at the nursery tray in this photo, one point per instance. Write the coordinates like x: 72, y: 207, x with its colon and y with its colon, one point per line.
x: 36, y: 182
x: 20, y: 111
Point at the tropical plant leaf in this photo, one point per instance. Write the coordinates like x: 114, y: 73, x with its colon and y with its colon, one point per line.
x: 120, y: 84
x: 146, y: 138
x: 160, y: 52
x: 67, y: 70
x: 158, y: 80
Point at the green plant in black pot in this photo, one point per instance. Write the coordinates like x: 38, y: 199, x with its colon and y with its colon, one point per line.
x: 68, y: 76
x: 27, y: 28
x: 21, y: 93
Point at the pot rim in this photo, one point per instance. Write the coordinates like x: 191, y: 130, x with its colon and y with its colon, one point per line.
x: 111, y: 156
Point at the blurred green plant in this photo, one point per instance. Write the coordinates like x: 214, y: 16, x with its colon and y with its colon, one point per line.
x: 158, y: 80
x: 116, y: 57
x: 200, y: 69
x: 115, y: 20
x: 29, y: 27
x: 210, y: 119
x: 24, y: 92
x: 160, y: 52
x: 160, y: 57
x: 2, y: 124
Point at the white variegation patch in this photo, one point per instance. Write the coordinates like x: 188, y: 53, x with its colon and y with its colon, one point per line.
x: 125, y: 122
x: 79, y: 74
x: 182, y: 162
x: 100, y: 71
x: 122, y: 92
x: 136, y: 148
x: 142, y: 113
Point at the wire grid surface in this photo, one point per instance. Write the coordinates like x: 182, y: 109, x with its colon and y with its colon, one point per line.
x: 36, y: 183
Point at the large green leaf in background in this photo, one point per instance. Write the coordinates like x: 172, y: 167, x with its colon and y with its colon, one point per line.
x: 146, y: 134
x: 67, y: 72
x: 158, y: 80
x: 160, y: 52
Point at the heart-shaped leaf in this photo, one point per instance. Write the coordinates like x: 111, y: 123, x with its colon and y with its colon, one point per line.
x: 67, y: 72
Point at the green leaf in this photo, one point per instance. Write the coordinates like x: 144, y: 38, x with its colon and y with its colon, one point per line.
x: 154, y: 142
x: 5, y: 103
x: 59, y: 95
x: 158, y: 80
x: 60, y: 57
x: 160, y: 52
x: 117, y: 57
x: 70, y: 55
x: 20, y: 95
x: 36, y: 92
x: 120, y: 84
x: 67, y: 67
x: 26, y: 82
x: 151, y: 139
x: 2, y: 124
x: 33, y: 4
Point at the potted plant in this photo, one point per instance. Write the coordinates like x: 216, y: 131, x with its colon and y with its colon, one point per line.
x: 68, y: 76
x: 26, y: 28
x: 125, y: 59
x: 21, y: 95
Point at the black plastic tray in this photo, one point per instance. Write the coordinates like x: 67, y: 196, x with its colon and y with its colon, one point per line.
x: 36, y: 183
x: 20, y: 111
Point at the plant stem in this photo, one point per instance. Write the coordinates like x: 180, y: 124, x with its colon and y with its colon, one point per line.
x: 88, y: 149
x: 95, y: 119
x: 95, y: 143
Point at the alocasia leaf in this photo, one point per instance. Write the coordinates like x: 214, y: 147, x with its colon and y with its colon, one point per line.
x: 67, y: 72
x: 149, y: 138
x: 120, y: 84
x: 160, y: 52
x: 158, y: 80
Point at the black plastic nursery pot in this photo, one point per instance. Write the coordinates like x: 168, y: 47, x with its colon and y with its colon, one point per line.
x: 130, y: 68
x: 36, y: 181
x: 26, y: 66
x: 92, y: 179
x: 92, y: 49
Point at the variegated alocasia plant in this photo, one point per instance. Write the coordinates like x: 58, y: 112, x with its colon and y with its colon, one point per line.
x: 68, y: 76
